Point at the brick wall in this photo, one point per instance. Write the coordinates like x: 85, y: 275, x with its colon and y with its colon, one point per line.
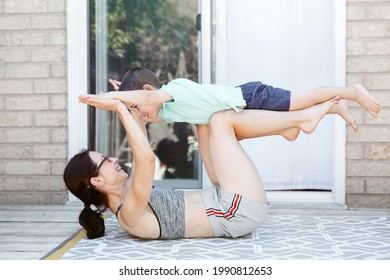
x: 368, y: 62
x: 33, y: 111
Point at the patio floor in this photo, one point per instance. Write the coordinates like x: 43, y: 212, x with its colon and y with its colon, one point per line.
x: 29, y: 232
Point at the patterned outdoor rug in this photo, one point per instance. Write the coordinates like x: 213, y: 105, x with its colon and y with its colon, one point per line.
x: 282, y: 237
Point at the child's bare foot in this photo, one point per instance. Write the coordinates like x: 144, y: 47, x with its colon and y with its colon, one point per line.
x: 290, y: 134
x: 365, y: 99
x: 342, y: 109
x: 312, y: 116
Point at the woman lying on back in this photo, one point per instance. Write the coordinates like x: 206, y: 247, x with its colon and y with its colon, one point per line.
x: 234, y: 206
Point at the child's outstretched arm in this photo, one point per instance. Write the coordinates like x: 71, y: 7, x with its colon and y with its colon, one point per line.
x: 136, y: 97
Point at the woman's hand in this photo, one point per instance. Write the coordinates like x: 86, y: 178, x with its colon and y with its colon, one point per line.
x: 101, y: 95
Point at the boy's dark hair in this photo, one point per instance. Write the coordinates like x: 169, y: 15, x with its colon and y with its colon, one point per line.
x: 136, y: 78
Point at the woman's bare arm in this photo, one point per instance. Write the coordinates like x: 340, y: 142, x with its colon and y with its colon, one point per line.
x: 137, y: 197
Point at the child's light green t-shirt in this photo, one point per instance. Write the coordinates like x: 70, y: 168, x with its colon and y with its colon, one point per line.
x: 196, y: 103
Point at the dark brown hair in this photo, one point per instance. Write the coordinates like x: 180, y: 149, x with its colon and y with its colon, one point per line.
x: 136, y: 78
x: 77, y: 175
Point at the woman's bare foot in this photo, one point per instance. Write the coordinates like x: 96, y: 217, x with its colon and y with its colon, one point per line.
x: 365, y: 99
x: 342, y: 109
x: 290, y: 134
x: 312, y: 115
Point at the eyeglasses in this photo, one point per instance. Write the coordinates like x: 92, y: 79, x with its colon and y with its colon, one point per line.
x: 101, y: 164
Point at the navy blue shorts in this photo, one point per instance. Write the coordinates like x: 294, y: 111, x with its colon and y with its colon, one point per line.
x: 260, y: 96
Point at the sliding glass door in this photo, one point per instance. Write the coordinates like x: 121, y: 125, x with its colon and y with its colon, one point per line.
x: 160, y: 35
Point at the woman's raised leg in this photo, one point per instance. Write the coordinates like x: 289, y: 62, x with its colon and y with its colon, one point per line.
x: 232, y: 167
x: 234, y: 170
x: 258, y: 123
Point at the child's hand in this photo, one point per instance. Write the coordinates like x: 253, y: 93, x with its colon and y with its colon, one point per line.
x: 104, y: 104
x: 115, y: 84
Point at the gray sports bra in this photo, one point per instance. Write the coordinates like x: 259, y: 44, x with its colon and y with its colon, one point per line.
x: 168, y: 206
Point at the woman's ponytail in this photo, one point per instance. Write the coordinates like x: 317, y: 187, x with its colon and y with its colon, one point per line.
x: 92, y: 221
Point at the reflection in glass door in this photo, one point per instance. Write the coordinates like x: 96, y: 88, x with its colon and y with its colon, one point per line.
x: 159, y: 35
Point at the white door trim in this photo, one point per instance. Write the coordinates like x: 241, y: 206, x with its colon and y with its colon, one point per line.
x: 77, y: 33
